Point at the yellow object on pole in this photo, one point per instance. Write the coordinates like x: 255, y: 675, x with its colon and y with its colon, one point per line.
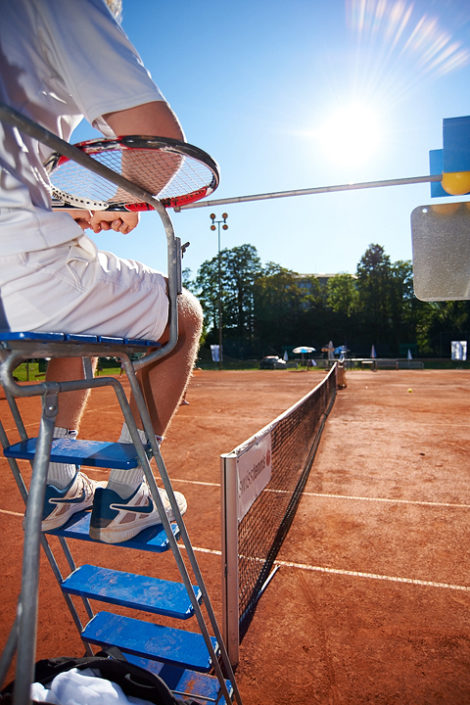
x: 456, y: 183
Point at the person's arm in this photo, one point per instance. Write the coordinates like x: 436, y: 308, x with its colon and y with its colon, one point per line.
x: 151, y: 119
x: 155, y: 119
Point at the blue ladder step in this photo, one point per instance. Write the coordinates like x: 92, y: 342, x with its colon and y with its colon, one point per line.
x: 99, y: 454
x: 130, y: 590
x: 193, y: 684
x: 153, y: 539
x: 149, y: 640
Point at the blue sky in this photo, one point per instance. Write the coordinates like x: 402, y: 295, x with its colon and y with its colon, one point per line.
x: 259, y: 85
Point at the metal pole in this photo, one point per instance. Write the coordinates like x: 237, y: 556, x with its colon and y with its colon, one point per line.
x: 27, y: 609
x: 219, y: 274
x: 230, y: 565
x: 318, y: 189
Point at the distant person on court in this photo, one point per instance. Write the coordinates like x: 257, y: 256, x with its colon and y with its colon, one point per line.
x: 62, y: 61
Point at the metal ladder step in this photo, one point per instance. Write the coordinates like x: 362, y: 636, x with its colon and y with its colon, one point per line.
x: 131, y: 590
x: 199, y: 687
x: 99, y: 454
x: 149, y: 640
x: 153, y: 539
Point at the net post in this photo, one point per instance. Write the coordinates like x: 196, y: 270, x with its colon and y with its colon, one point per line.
x: 230, y: 587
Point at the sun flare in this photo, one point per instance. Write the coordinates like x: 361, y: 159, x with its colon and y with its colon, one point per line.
x: 351, y: 135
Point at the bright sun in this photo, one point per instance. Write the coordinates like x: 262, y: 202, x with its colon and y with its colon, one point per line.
x: 351, y: 135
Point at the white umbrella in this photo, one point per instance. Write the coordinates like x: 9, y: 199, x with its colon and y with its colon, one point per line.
x: 303, y: 349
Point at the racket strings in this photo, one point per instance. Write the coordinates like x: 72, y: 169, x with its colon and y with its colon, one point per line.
x: 166, y: 175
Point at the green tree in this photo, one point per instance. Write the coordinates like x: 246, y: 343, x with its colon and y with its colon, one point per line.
x: 402, y: 305
x: 186, y: 277
x: 241, y: 266
x: 374, y: 281
x: 342, y: 295
x: 231, y: 292
x: 206, y: 287
x: 450, y: 320
x: 280, y: 300
x: 289, y: 309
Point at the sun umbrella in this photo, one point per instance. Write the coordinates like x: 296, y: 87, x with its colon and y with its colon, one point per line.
x: 303, y: 349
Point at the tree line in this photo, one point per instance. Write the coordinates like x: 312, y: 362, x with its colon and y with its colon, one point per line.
x: 267, y: 309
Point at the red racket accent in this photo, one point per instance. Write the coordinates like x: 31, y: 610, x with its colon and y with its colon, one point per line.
x: 173, y: 172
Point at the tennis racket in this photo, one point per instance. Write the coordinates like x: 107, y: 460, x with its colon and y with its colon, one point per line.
x: 172, y: 172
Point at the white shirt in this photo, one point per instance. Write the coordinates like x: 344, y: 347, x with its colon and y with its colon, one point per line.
x: 60, y: 61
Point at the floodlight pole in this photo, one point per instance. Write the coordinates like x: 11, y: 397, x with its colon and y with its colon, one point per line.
x: 222, y: 222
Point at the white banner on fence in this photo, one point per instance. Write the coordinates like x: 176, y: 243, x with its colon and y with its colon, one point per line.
x: 254, y: 471
x: 458, y: 349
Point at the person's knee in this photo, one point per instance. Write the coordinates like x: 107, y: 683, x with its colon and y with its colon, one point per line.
x: 190, y: 313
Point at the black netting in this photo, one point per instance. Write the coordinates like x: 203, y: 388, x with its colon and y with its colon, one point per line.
x: 294, y: 439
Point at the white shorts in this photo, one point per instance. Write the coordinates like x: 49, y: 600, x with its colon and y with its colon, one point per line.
x: 75, y: 288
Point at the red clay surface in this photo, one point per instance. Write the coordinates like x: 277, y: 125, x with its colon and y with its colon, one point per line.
x: 371, y: 600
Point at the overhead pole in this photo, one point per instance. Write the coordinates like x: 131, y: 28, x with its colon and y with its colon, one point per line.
x: 405, y: 181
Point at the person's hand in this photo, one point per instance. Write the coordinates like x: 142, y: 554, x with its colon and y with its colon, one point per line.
x: 81, y: 217
x: 118, y: 221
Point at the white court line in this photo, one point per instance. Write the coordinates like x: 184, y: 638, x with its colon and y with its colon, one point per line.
x: 424, y: 424
x: 390, y: 500
x: 322, y: 569
x: 13, y: 514
x: 26, y: 425
x: 350, y: 573
x: 373, y: 576
x: 357, y: 498
x: 212, y: 551
x: 197, y: 482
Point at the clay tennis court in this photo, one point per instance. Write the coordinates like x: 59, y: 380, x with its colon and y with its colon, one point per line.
x: 371, y: 600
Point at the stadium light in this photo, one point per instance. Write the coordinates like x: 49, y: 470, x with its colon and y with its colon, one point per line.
x: 217, y: 223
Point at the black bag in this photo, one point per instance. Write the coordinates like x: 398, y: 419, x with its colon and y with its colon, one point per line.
x: 133, y: 680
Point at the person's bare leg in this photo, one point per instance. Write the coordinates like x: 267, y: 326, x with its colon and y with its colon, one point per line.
x: 127, y: 506
x: 165, y: 382
x: 163, y: 386
x: 71, y: 404
x: 71, y: 407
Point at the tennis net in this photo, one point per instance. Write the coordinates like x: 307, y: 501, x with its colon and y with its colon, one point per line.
x: 262, y: 481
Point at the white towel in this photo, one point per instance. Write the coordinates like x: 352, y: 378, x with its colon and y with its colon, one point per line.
x: 84, y: 687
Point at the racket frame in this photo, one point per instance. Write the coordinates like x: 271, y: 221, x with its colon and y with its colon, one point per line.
x: 63, y: 199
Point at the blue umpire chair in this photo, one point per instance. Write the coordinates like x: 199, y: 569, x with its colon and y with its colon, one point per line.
x: 193, y: 664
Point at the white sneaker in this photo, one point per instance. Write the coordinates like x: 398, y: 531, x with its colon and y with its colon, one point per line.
x: 60, y: 505
x: 114, y: 520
